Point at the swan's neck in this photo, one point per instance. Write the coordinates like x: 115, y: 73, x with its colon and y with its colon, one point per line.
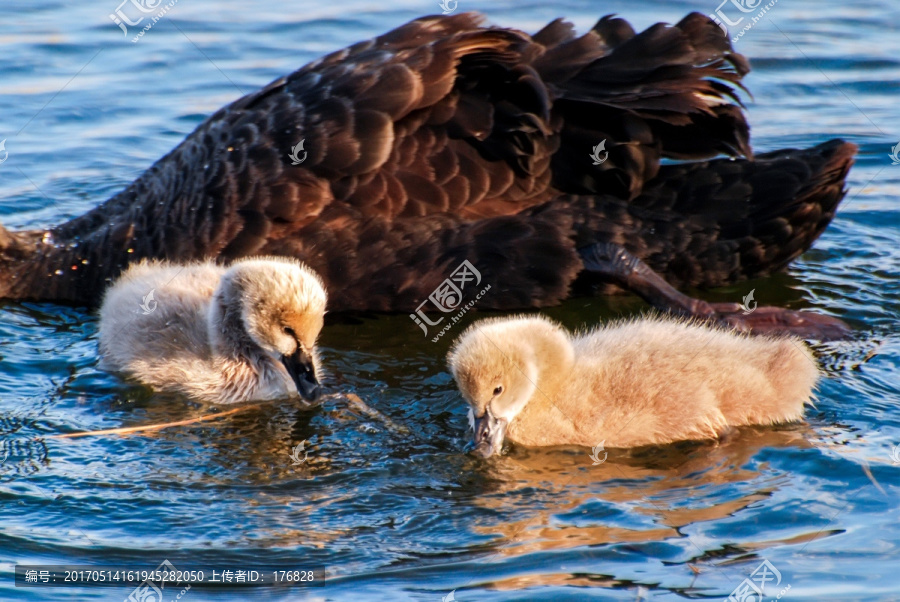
x: 549, y: 360
x: 555, y: 362
x: 34, y: 265
x: 228, y: 335
x: 549, y: 406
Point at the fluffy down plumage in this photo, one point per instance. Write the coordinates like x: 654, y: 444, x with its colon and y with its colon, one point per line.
x: 630, y: 383
x: 216, y: 334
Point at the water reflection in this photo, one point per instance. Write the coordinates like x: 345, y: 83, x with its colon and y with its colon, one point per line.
x: 558, y: 499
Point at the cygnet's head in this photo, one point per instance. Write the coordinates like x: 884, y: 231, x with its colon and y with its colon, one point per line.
x: 497, y: 366
x: 279, y: 303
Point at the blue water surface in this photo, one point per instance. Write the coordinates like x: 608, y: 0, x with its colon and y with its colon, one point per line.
x: 388, y: 507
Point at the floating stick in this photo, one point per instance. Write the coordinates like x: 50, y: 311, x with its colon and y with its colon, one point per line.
x: 152, y: 427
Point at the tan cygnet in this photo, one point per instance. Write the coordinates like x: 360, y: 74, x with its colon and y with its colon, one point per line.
x: 220, y: 334
x: 637, y: 382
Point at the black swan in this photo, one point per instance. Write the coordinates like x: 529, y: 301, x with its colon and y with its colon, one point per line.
x: 536, y: 158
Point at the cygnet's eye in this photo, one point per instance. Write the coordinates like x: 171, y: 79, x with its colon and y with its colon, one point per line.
x: 498, y: 390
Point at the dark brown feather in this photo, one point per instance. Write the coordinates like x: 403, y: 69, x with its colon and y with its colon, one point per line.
x: 445, y: 140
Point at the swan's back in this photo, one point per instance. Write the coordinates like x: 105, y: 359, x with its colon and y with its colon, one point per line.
x: 672, y: 379
x: 140, y: 331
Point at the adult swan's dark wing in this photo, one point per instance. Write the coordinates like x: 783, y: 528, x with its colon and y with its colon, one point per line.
x: 444, y: 140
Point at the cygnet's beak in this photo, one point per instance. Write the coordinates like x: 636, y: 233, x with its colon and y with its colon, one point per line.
x: 490, y: 432
x: 303, y: 372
